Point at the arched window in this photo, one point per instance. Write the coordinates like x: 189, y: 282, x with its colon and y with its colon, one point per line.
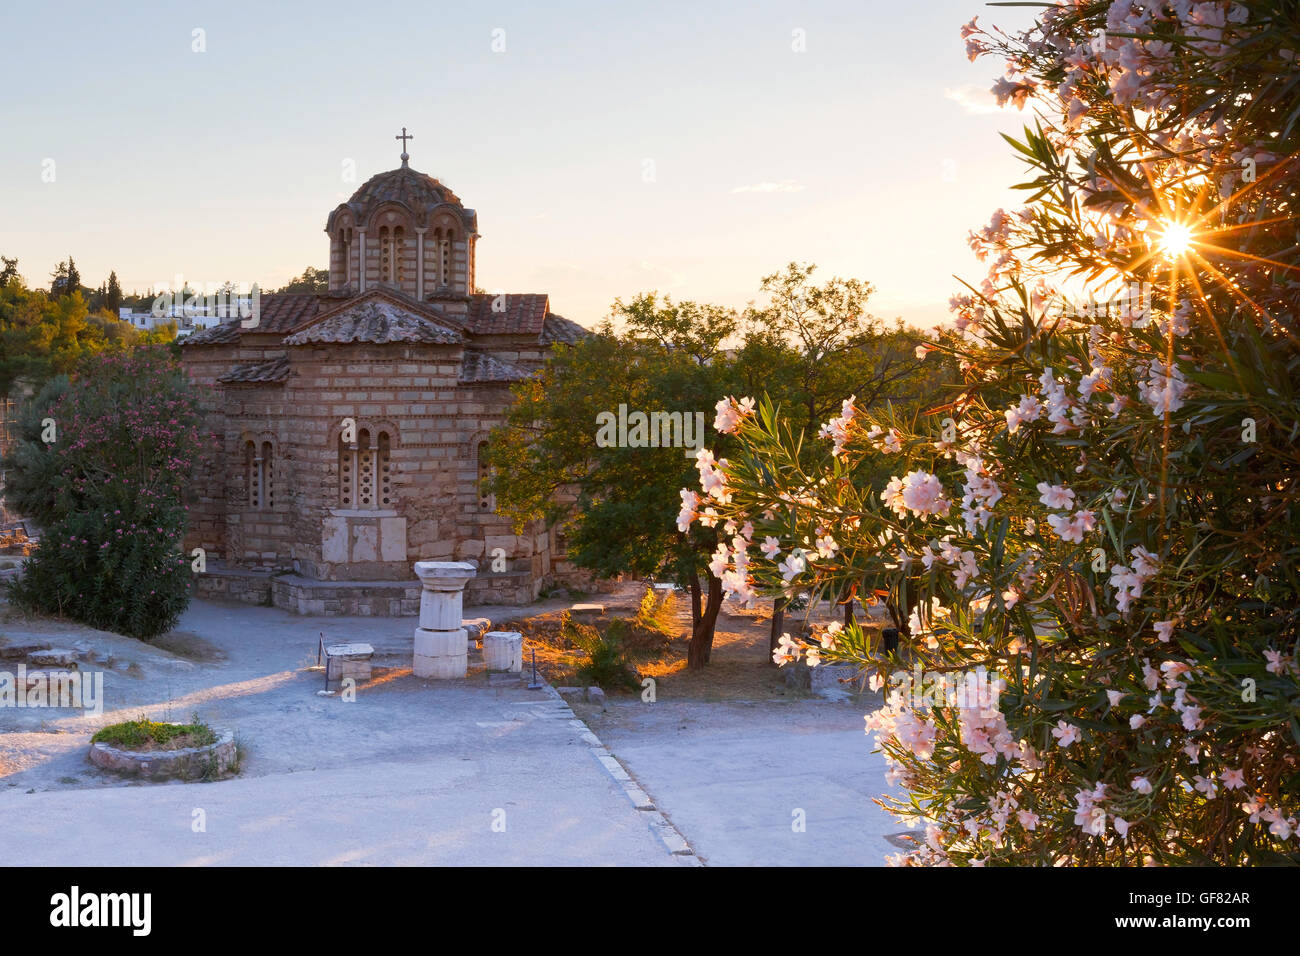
x: 347, y: 473
x: 395, y: 271
x: 444, y: 260
x: 345, y: 246
x: 366, y: 472
x: 486, y: 500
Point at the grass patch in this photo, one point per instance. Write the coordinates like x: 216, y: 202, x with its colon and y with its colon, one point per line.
x: 146, y: 735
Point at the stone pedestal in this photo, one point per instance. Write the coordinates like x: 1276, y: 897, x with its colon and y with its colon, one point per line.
x: 504, y: 651
x: 441, y: 644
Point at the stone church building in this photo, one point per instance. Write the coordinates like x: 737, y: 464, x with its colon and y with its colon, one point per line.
x: 350, y: 424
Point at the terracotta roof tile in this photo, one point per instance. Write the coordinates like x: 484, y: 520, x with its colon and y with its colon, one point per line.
x: 479, y: 367
x: 258, y: 373
x: 524, y: 313
x: 557, y: 328
x: 223, y: 334
x: 278, y: 312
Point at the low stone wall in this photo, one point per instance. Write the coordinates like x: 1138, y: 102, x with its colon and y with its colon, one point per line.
x: 346, y: 598
x: 247, y: 587
x: 189, y: 763
x: 308, y: 596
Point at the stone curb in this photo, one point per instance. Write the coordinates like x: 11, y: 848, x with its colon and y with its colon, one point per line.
x: 161, y: 764
x: 659, y: 825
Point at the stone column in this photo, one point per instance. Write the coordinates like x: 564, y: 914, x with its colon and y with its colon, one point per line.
x: 441, y: 644
x: 419, y: 262
x: 361, y: 259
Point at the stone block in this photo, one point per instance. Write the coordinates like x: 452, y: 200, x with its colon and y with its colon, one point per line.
x: 473, y: 548
x: 334, y: 540
x: 392, y: 539
x: 357, y: 670
x: 441, y: 643
x: 587, y: 612
x: 503, y: 651
x: 22, y: 649
x: 441, y: 668
x: 365, y: 543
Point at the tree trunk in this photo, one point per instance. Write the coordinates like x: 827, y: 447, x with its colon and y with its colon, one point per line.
x: 695, y: 602
x: 701, y: 647
x: 778, y: 628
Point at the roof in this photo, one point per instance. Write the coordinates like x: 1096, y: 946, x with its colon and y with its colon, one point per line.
x: 556, y: 328
x: 290, y: 313
x: 479, y: 367
x: 258, y: 373
x: 404, y: 185
x: 418, y: 193
x: 277, y: 312
x: 507, y: 313
x: 376, y: 320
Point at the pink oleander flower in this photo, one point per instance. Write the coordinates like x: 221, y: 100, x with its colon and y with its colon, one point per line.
x: 787, y: 650
x: 1055, y: 496
x: 1029, y: 410
x: 1233, y: 779
x: 730, y: 413
x: 1065, y: 734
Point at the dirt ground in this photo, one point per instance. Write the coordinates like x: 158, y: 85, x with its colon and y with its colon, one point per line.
x: 740, y: 668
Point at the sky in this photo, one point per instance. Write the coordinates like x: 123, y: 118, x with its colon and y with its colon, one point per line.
x: 608, y: 148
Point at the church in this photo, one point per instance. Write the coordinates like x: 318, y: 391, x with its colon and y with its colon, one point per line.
x: 349, y: 426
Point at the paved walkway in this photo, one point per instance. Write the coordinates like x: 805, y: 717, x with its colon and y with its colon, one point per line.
x: 417, y: 772
x: 410, y: 773
x: 770, y: 784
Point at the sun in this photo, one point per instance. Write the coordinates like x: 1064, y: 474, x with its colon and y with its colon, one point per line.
x: 1175, y: 240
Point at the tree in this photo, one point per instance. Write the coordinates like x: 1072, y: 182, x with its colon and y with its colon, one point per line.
x: 1096, y: 532
x: 113, y: 294
x: 10, y: 271
x: 43, y: 335
x: 624, y: 510
x: 616, y: 500
x: 311, y: 280
x: 65, y: 280
x: 811, y: 345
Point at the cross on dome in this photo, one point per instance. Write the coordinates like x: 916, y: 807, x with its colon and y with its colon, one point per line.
x: 404, y: 137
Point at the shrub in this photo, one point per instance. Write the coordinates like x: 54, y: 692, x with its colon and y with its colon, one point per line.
x: 606, y: 663
x: 657, y: 615
x: 143, y: 733
x: 1105, y: 512
x: 108, y: 492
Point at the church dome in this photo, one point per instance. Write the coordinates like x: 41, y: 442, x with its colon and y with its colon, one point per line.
x: 415, y: 190
x: 418, y: 194
x: 404, y: 230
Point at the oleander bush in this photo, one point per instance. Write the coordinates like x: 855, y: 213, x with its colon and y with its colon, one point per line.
x: 109, y: 493
x: 1102, y: 515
